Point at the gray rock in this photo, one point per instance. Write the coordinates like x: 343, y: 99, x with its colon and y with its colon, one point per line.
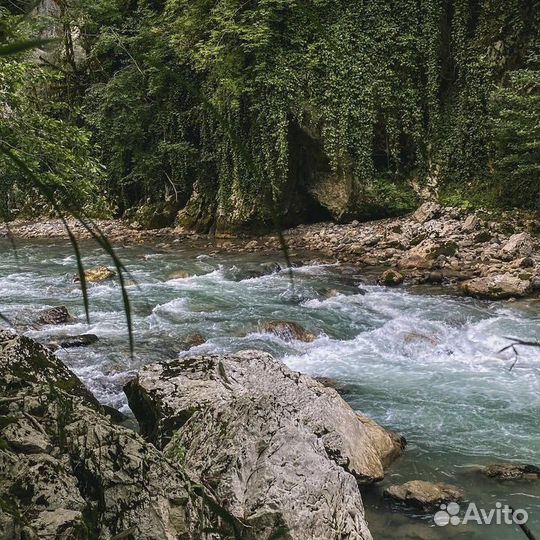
x: 424, y: 495
x: 55, y: 315
x: 68, y: 472
x: 511, y: 471
x: 276, y: 447
x: 427, y: 211
x: 518, y: 244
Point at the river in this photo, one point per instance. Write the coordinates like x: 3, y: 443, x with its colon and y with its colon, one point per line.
x: 418, y: 360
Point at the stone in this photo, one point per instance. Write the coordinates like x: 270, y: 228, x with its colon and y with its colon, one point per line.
x: 253, y: 244
x: 179, y: 274
x: 287, y: 330
x: 67, y: 471
x: 274, y: 445
x: 55, y: 315
x: 470, y: 224
x: 391, y: 278
x: 520, y: 244
x: 424, y: 255
x: 424, y: 495
x: 193, y: 340
x: 497, y: 286
x: 511, y: 471
x: 66, y: 342
x: 427, y: 211
x: 98, y: 274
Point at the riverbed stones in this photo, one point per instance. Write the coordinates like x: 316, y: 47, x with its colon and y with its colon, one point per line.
x: 98, y: 274
x: 54, y: 315
x: 511, y: 471
x: 67, y: 472
x: 427, y: 211
x: 497, y: 286
x: 424, y: 495
x: 391, y: 278
x: 287, y: 330
x: 67, y: 342
x: 275, y: 446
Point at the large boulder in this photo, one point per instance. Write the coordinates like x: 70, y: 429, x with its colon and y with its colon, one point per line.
x: 511, y: 471
x: 54, y: 315
x: 287, y: 330
x: 66, y: 471
x: 427, y: 211
x: 497, y: 287
x: 277, y: 448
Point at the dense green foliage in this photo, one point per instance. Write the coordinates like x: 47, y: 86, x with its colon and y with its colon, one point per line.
x: 237, y: 107
x: 35, y: 129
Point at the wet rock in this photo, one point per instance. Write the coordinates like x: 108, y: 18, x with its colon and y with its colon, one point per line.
x: 98, y: 274
x: 497, y: 286
x: 417, y: 337
x: 424, y: 495
x: 391, y: 278
x: 179, y: 274
x: 276, y: 446
x: 193, y: 340
x: 511, y: 471
x: 68, y: 472
x: 427, y: 211
x: 253, y: 244
x: 66, y: 342
x: 287, y: 330
x: 55, y: 315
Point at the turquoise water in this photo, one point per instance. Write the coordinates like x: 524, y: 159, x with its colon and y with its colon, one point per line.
x: 420, y: 362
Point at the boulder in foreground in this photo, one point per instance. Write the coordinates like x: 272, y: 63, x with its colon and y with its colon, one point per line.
x: 67, y: 472
x: 279, y: 450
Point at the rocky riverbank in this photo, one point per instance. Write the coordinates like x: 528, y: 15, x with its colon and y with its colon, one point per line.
x: 471, y: 252
x: 232, y: 446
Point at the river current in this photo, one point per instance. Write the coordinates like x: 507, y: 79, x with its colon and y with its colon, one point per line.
x: 421, y: 362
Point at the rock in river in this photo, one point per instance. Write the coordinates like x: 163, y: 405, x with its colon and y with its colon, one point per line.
x: 279, y: 450
x: 55, y: 315
x: 511, y: 471
x: 424, y: 495
x: 391, y: 278
x: 100, y: 273
x: 287, y: 330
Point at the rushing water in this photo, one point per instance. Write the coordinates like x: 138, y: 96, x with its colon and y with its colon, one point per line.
x: 424, y: 365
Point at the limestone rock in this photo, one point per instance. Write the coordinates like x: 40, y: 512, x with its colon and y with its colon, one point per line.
x: 391, y: 278
x: 497, y: 286
x: 68, y: 472
x: 55, y: 315
x: 275, y: 446
x: 511, y: 471
x: 425, y: 254
x: 518, y: 244
x: 98, y: 274
x: 427, y: 211
x: 287, y: 330
x: 424, y: 495
x: 66, y: 342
